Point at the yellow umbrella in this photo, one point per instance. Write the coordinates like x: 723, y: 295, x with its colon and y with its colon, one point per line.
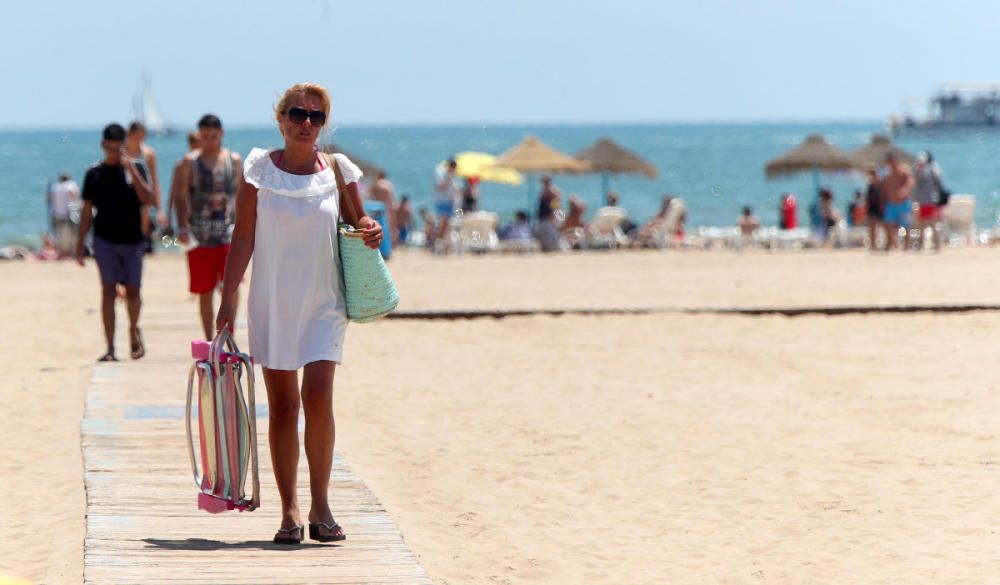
x: 483, y: 166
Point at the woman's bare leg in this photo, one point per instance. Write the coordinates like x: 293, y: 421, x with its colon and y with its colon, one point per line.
x: 317, y: 402
x: 283, y: 436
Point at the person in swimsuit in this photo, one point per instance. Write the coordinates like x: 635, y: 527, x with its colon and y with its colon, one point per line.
x: 145, y: 160
x: 896, y: 189
x: 874, y: 207
x: 287, y: 213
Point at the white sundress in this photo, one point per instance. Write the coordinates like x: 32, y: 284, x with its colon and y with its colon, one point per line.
x: 295, y: 310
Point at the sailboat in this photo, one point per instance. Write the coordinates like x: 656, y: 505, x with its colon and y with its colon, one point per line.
x: 146, y: 110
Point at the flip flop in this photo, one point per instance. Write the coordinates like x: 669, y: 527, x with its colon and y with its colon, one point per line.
x: 138, y: 349
x: 108, y: 357
x: 334, y: 532
x: 293, y: 535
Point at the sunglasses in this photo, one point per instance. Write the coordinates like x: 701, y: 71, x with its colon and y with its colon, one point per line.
x: 299, y: 115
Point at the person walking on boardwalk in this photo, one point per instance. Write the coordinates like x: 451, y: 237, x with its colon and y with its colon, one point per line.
x: 117, y: 191
x: 194, y: 143
x: 207, y: 182
x: 145, y: 160
x: 287, y: 211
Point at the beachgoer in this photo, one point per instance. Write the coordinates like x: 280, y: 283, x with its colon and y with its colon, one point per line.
x: 518, y: 230
x: 574, y: 227
x: 448, y: 199
x: 856, y: 210
x: 747, y: 222
x: 430, y: 227
x: 470, y: 195
x: 874, y: 207
x: 208, y: 180
x: 117, y: 191
x: 287, y: 212
x: 896, y: 189
x: 145, y: 160
x: 548, y: 200
x: 927, y: 193
x: 829, y: 217
x: 194, y: 143
x: 63, y: 198
x: 383, y: 190
x: 627, y: 226
x: 403, y: 220
x: 788, y: 210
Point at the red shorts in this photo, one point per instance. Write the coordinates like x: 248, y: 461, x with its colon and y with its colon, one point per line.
x: 929, y: 211
x: 205, y: 267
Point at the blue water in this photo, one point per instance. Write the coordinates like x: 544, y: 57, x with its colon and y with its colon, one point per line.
x: 717, y: 168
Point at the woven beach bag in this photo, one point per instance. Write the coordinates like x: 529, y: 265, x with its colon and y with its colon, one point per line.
x: 368, y: 287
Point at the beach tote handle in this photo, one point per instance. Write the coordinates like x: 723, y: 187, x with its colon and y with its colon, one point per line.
x: 345, y: 198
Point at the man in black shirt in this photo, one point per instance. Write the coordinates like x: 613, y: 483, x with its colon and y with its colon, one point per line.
x: 117, y: 191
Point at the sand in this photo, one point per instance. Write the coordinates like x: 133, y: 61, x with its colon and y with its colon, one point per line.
x: 662, y: 448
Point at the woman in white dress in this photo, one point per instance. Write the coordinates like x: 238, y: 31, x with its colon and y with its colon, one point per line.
x: 287, y: 211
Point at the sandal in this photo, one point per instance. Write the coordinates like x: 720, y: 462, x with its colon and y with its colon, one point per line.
x: 138, y: 349
x: 293, y: 535
x: 334, y: 532
x: 108, y: 357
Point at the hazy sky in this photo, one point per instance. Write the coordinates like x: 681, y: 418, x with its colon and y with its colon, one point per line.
x: 79, y: 63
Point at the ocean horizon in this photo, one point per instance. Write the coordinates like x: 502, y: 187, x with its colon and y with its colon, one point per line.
x: 716, y: 166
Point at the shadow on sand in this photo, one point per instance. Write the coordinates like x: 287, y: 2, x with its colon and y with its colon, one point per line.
x: 203, y: 544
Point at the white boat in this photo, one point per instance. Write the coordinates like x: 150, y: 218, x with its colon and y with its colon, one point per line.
x: 146, y: 110
x: 956, y: 105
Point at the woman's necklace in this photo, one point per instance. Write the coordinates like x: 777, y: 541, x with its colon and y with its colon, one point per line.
x: 301, y: 170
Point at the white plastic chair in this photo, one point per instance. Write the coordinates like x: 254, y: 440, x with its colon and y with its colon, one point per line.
x: 958, y: 217
x: 478, y: 232
x: 605, y: 231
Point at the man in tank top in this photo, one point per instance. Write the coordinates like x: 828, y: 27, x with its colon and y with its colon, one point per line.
x: 208, y: 180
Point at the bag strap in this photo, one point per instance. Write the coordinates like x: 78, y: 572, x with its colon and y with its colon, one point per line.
x: 345, y: 197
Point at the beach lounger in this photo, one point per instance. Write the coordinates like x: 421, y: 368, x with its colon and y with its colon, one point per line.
x: 227, y: 425
x: 605, y: 230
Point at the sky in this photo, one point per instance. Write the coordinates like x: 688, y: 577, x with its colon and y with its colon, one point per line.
x: 403, y: 62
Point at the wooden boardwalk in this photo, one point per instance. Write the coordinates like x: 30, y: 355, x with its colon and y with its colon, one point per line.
x: 143, y: 525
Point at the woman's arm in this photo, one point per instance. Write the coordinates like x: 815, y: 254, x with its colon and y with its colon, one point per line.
x: 371, y: 228
x: 240, y: 252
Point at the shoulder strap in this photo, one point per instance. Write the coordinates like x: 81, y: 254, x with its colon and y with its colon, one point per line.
x: 345, y: 197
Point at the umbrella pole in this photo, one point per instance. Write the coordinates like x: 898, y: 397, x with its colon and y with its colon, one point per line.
x: 605, y: 184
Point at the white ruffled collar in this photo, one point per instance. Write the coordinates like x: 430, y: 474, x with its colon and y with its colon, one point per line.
x: 264, y: 174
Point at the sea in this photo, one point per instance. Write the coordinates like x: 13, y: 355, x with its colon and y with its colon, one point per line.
x: 716, y: 167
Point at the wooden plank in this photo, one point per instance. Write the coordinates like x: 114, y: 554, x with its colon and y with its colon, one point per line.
x: 143, y: 525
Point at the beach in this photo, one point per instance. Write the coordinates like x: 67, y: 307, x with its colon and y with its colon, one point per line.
x: 619, y: 448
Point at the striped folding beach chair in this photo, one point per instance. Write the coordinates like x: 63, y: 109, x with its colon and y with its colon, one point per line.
x: 227, y: 426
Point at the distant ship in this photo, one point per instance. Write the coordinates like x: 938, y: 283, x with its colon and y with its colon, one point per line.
x: 956, y: 105
x: 146, y: 110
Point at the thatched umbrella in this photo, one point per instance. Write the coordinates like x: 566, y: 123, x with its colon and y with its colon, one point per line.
x: 813, y: 155
x: 366, y: 167
x: 609, y: 158
x: 534, y: 156
x: 875, y: 152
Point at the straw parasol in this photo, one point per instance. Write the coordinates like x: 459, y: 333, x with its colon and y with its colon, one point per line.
x: 815, y: 154
x: 875, y: 152
x: 534, y: 156
x: 609, y: 158
x: 366, y: 167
